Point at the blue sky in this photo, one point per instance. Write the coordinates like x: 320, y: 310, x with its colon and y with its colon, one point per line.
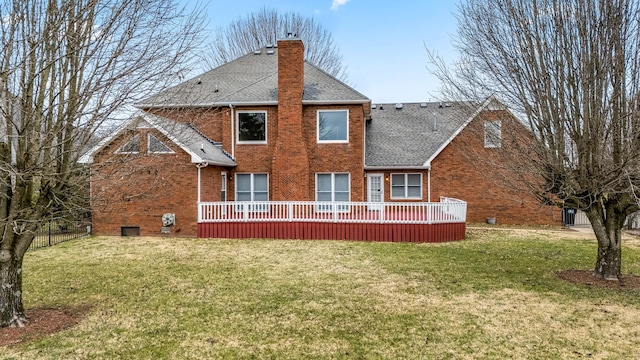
x: 382, y: 42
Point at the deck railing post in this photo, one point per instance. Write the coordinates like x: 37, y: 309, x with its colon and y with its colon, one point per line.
x: 290, y: 211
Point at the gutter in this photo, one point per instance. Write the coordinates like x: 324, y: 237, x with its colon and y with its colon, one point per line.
x: 249, y: 103
x: 414, y: 167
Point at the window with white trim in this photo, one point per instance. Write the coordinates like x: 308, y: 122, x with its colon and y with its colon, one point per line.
x: 333, y: 126
x: 252, y: 127
x: 156, y: 146
x: 252, y: 187
x: 130, y: 147
x: 493, y: 134
x: 333, y: 187
x: 406, y: 186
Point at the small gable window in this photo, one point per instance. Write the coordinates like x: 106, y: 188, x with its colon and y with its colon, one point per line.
x: 156, y: 146
x: 492, y: 134
x: 333, y: 126
x: 130, y: 147
x: 252, y: 127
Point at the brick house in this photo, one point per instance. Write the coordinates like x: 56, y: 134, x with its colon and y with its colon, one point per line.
x: 269, y: 127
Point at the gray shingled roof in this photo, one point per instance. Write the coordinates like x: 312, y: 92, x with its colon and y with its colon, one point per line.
x: 201, y: 148
x: 251, y: 79
x: 406, y: 136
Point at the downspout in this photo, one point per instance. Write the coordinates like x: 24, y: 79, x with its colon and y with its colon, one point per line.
x: 198, y: 183
x: 233, y: 136
x: 200, y: 166
x: 429, y: 184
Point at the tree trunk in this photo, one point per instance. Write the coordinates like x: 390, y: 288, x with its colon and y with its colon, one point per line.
x: 11, y: 309
x: 609, y: 260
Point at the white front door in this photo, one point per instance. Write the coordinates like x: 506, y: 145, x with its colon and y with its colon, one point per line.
x: 375, y: 190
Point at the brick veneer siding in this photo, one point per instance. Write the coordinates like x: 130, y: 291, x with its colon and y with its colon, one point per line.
x: 136, y: 190
x: 290, y: 161
x: 259, y: 158
x: 337, y: 157
x: 292, y: 158
x: 467, y: 170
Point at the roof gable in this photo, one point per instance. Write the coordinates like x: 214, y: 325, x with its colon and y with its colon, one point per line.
x: 201, y: 148
x: 411, y: 135
x: 251, y: 79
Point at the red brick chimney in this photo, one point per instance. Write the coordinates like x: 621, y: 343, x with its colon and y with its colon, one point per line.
x: 290, y: 163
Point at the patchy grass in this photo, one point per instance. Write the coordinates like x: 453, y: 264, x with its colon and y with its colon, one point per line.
x: 494, y: 295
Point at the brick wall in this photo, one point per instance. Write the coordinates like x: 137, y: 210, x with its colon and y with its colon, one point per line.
x: 337, y: 157
x: 484, y: 177
x: 290, y: 161
x: 135, y: 190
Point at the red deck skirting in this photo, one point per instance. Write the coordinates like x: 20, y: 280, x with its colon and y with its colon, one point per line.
x: 334, y: 231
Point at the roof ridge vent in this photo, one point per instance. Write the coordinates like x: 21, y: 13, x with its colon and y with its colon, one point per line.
x: 270, y: 52
x: 257, y: 52
x: 373, y: 106
x: 399, y: 106
x: 423, y: 105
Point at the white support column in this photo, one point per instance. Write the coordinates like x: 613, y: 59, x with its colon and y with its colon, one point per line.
x: 200, y: 166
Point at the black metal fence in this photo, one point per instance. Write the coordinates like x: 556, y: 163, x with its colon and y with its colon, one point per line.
x: 54, y: 232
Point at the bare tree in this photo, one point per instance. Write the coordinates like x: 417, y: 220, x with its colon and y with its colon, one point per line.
x: 264, y: 27
x: 572, y: 69
x: 65, y: 67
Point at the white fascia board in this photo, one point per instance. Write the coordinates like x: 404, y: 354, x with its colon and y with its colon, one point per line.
x: 87, y: 158
x: 195, y: 158
x: 206, y: 105
x: 459, y: 130
x: 335, y: 102
x: 414, y: 167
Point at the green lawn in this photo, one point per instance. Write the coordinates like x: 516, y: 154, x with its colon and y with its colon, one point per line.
x: 491, y: 296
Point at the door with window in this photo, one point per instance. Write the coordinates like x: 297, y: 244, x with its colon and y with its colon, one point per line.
x: 375, y: 191
x: 223, y: 190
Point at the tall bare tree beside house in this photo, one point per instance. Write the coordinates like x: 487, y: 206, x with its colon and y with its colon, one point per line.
x: 571, y: 69
x: 65, y: 67
x: 264, y: 27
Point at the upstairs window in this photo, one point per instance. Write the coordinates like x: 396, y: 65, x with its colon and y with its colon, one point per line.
x: 492, y: 134
x: 252, y: 127
x: 406, y: 186
x: 156, y: 146
x: 130, y: 147
x: 333, y: 126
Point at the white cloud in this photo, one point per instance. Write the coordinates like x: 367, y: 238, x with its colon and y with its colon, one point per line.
x: 337, y: 3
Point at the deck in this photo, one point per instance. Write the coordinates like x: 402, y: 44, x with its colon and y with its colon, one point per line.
x: 397, y: 222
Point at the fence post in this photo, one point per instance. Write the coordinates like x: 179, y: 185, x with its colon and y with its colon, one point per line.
x: 49, y: 233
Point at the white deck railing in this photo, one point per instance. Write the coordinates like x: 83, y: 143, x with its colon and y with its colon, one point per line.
x: 446, y: 211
